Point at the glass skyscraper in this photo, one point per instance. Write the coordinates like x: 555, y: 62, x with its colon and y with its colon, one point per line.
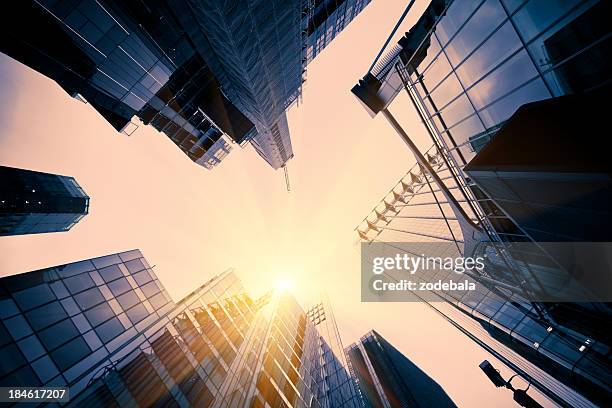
x: 387, y: 379
x: 127, y: 60
x: 468, y: 67
x: 106, y: 329
x: 32, y: 202
x: 203, y: 72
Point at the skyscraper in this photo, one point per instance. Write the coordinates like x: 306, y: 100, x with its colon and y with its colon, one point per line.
x: 467, y: 67
x: 106, y: 329
x: 32, y: 202
x: 388, y: 379
x: 205, y: 73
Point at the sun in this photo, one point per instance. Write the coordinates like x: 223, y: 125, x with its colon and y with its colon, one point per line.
x: 283, y: 284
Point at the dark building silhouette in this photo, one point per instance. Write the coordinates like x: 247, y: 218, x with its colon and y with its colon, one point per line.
x: 33, y: 202
x: 386, y: 378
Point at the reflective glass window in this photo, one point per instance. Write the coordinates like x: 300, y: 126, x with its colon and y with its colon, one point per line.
x: 11, y: 359
x: 79, y: 283
x: 447, y: 90
x: 456, y: 15
x: 110, y: 273
x: 531, y: 330
x: 99, y: 314
x: 142, y: 277
x: 134, y: 265
x: 481, y: 25
x: 17, y: 327
x: 34, y: 296
x: 31, y: 347
x: 150, y: 289
x: 119, y: 286
x: 45, y: 369
x: 504, y: 79
x: 46, y: 315
x: 497, y: 48
x: 75, y: 268
x: 58, y: 334
x: 459, y: 109
x: 504, y: 108
x: 537, y: 15
x: 89, y: 298
x: 70, y: 353
x: 127, y: 300
x: 109, y: 330
x: 137, y: 313
x: 436, y: 72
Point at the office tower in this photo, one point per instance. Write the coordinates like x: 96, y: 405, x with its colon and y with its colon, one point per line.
x: 388, y: 379
x: 475, y: 70
x: 33, y: 202
x: 203, y: 72
x: 126, y: 59
x: 107, y: 329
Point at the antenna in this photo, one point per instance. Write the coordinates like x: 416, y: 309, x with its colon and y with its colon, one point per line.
x: 287, y: 177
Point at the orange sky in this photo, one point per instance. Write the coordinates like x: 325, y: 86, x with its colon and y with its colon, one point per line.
x: 192, y: 223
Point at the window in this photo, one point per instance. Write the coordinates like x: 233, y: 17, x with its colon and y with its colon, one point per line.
x: 110, y: 273
x: 481, y: 25
x: 58, y: 334
x: 142, y: 277
x: 150, y: 289
x: 31, y: 347
x: 119, y: 286
x: 70, y: 353
x: 127, y: 300
x: 137, y: 313
x: 79, y: 283
x: 99, y: 314
x: 46, y: 315
x: 34, y: 296
x: 135, y: 265
x: 109, y: 330
x: 18, y: 327
x: 89, y: 298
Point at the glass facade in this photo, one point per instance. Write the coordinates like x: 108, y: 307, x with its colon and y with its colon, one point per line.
x: 468, y: 66
x: 32, y: 202
x: 127, y: 60
x: 387, y: 379
x: 107, y: 329
x: 201, y: 72
x: 329, y: 18
x: 484, y: 59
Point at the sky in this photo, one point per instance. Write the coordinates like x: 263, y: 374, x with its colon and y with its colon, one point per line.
x: 192, y: 223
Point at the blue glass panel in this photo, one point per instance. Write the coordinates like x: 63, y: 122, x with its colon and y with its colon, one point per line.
x: 17, y: 327
x: 34, y: 296
x: 89, y: 298
x: 119, y: 286
x: 537, y: 15
x: 70, y: 353
x: 481, y: 25
x: 456, y: 15
x: 58, y: 334
x: 109, y: 330
x: 504, y: 79
x: 79, y: 283
x: 504, y: 108
x: 500, y: 46
x: 99, y: 314
x: 46, y: 315
x: 31, y: 347
x: 110, y: 273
